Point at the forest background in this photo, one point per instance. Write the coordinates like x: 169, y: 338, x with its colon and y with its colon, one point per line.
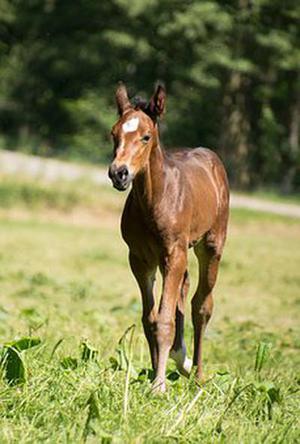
x: 231, y: 69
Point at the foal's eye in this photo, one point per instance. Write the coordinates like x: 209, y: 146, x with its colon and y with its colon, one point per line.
x: 146, y: 138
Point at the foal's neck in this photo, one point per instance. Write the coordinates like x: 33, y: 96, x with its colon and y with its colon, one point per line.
x: 149, y: 184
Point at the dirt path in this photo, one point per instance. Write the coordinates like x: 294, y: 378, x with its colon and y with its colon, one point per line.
x: 253, y: 203
x: 52, y: 170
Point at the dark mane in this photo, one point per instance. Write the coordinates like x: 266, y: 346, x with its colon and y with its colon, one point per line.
x: 140, y: 103
x: 155, y: 107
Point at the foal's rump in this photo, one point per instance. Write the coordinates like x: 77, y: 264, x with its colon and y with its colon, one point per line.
x: 210, y: 162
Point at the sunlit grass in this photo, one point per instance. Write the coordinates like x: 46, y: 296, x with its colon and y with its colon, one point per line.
x: 67, y: 280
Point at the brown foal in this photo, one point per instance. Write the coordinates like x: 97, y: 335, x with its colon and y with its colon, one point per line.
x: 178, y: 200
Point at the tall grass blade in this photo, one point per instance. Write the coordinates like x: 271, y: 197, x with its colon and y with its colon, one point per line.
x: 218, y: 426
x: 93, y: 413
x: 58, y: 343
x: 130, y: 330
x: 184, y: 412
x: 261, y: 356
x: 89, y: 353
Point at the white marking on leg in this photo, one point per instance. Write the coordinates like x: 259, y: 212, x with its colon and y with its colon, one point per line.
x: 183, y: 363
x: 131, y: 125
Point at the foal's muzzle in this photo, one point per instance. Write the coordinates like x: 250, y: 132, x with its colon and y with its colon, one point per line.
x: 120, y: 177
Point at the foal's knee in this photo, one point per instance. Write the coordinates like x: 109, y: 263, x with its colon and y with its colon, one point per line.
x: 165, y: 332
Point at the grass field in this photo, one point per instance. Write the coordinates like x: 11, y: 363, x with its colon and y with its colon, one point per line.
x: 65, y: 279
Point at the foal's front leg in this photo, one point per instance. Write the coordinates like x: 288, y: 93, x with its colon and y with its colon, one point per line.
x: 174, y: 267
x: 145, y: 277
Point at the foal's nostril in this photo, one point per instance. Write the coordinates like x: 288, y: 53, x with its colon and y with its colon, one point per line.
x: 122, y: 173
x: 120, y: 176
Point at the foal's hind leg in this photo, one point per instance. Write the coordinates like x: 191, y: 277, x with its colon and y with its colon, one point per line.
x: 178, y: 352
x: 202, y: 302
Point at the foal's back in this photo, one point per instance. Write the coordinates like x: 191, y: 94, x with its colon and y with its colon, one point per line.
x: 200, y: 188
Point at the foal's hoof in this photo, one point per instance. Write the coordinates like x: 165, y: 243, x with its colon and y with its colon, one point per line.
x: 158, y: 386
x: 200, y: 378
x: 186, y: 369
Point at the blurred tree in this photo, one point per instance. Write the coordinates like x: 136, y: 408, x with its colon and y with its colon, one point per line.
x: 277, y: 58
x: 231, y: 68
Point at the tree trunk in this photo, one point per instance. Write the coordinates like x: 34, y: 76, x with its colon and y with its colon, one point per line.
x: 235, y: 130
x: 294, y: 135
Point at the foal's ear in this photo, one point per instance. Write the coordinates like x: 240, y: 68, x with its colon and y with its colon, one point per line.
x: 122, y: 100
x: 156, y: 105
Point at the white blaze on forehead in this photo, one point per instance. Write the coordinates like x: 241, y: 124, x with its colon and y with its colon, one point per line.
x: 131, y: 125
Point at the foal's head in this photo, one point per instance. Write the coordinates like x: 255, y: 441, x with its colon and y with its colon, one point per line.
x: 134, y: 135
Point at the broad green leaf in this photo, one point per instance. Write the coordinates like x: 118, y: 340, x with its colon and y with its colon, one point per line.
x: 23, y: 343
x: 14, y: 367
x: 270, y: 389
x: 12, y: 360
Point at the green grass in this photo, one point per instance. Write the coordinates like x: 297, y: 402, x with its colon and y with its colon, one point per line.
x: 23, y: 192
x: 66, y: 280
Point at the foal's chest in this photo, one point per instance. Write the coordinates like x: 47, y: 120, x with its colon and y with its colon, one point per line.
x: 140, y: 233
